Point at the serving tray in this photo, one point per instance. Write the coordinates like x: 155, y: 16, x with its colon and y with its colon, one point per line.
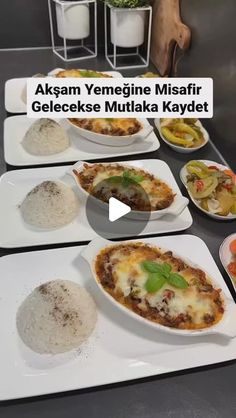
x: 80, y: 148
x: 14, y: 185
x: 120, y: 348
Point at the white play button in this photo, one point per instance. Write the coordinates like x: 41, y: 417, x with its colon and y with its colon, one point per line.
x: 116, y: 219
x: 117, y: 209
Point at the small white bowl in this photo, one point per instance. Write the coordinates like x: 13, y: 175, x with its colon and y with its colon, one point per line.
x: 179, y: 204
x: 112, y: 140
x: 226, y: 256
x: 226, y: 327
x: 183, y: 178
x: 178, y: 148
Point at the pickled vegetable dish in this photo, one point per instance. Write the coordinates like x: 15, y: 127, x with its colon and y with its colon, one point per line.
x: 185, y: 133
x: 214, y: 189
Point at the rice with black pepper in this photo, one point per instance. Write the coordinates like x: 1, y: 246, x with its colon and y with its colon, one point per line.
x: 51, y: 204
x: 56, y: 317
x: 45, y: 137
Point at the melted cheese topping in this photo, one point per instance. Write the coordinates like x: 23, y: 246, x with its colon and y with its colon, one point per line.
x: 159, y: 194
x: 198, y: 306
x: 81, y: 74
x: 109, y: 126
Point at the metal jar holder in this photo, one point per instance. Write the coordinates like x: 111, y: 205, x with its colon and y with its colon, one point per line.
x: 134, y: 57
x: 70, y: 21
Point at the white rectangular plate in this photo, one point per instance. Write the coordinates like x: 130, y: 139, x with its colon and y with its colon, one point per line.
x: 80, y: 148
x: 14, y: 87
x: 14, y: 185
x: 120, y: 348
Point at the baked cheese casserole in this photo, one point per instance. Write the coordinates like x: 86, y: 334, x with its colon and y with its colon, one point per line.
x: 133, y: 186
x: 81, y: 74
x: 159, y: 286
x: 109, y: 126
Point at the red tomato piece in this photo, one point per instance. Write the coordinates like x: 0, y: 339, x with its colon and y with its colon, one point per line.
x: 232, y: 268
x: 199, y: 185
x: 213, y: 167
x: 232, y: 247
x: 227, y: 186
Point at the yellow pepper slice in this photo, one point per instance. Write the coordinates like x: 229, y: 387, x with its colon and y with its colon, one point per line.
x: 166, y: 132
x: 190, y: 121
x: 209, y: 185
x: 233, y: 209
x: 183, y: 127
x: 198, y: 168
x: 226, y: 201
x: 204, y: 204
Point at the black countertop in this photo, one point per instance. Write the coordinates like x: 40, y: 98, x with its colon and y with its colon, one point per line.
x: 207, y: 392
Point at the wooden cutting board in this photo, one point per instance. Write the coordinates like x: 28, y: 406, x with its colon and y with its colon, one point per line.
x: 168, y: 30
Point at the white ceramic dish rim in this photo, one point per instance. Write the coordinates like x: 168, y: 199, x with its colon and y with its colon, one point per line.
x: 27, y: 178
x: 179, y: 204
x: 115, y: 140
x: 56, y: 70
x: 223, y: 247
x: 127, y: 361
x: 18, y: 83
x: 183, y: 179
x: 14, y: 156
x: 226, y: 327
x: 178, y: 147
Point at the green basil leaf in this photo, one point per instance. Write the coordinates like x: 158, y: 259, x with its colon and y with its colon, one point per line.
x: 166, y: 268
x: 126, y: 174
x: 137, y: 178
x: 126, y: 182
x: 89, y: 73
x: 154, y: 282
x: 114, y: 179
x: 133, y: 177
x: 177, y: 280
x: 151, y: 266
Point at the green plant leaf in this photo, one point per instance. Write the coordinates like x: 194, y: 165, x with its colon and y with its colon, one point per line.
x: 152, y: 266
x: 137, y: 178
x: 154, y: 282
x: 166, y: 268
x: 159, y: 274
x: 126, y: 179
x: 115, y: 179
x: 126, y: 182
x: 177, y: 280
x: 133, y: 177
x: 126, y: 174
x: 90, y: 73
x: 127, y: 3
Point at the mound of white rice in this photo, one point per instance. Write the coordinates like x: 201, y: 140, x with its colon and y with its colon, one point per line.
x: 45, y: 137
x: 51, y: 204
x: 56, y: 317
